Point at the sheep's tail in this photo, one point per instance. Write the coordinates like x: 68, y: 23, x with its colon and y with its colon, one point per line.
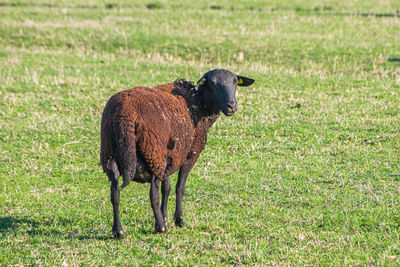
x: 118, y: 151
x: 125, y: 150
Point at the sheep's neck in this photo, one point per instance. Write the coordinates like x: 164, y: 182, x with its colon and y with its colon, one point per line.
x: 206, y: 122
x: 203, y: 115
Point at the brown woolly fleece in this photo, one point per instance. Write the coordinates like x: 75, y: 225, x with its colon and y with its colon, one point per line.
x: 153, y: 130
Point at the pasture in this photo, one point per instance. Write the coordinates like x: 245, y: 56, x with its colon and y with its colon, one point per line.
x: 307, y: 172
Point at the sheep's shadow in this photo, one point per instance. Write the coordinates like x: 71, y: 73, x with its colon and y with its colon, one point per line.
x: 96, y: 236
x: 32, y: 227
x: 9, y: 225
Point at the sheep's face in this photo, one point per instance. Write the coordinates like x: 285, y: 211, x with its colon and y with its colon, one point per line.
x: 219, y: 87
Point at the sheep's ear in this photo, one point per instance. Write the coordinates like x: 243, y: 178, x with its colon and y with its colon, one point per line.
x: 201, y: 82
x: 244, y: 81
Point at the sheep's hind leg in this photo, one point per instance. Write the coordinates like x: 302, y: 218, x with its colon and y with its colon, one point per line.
x: 113, y: 176
x: 165, y: 190
x: 155, y: 204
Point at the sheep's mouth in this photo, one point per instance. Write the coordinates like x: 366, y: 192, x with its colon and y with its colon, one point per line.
x: 229, y: 109
x: 228, y: 112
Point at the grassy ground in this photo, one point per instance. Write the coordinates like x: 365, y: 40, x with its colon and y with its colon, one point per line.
x: 306, y: 173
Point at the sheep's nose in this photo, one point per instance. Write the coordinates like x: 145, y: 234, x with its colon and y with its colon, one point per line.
x: 232, y: 105
x: 230, y: 108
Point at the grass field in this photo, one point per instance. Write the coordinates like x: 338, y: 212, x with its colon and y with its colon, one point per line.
x: 307, y: 172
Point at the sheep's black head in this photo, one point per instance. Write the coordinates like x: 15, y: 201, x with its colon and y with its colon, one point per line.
x: 218, y: 88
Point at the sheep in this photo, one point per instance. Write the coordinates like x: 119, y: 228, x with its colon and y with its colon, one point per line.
x: 147, y: 134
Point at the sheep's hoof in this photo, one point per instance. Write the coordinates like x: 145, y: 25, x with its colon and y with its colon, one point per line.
x: 162, y: 229
x: 118, y: 234
x: 179, y: 222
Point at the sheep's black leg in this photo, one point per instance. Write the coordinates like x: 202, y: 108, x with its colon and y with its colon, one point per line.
x: 165, y: 189
x: 155, y: 204
x: 180, y: 190
x: 113, y: 176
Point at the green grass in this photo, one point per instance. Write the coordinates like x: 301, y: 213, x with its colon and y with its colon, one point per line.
x: 307, y: 172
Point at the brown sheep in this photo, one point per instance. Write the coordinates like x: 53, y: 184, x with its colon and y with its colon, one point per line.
x: 147, y: 134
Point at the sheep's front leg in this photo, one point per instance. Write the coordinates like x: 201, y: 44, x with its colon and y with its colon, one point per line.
x: 165, y: 189
x: 180, y: 190
x: 155, y: 204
